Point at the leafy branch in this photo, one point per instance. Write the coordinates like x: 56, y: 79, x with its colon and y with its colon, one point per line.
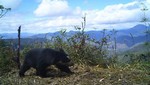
x: 3, y: 10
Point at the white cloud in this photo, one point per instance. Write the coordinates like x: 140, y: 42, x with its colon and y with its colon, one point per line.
x: 52, y: 17
x: 121, y: 13
x: 10, y: 3
x: 10, y: 23
x: 116, y: 16
x: 52, y: 8
x: 52, y: 24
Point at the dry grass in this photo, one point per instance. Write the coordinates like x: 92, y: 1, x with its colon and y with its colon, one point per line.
x: 84, y: 75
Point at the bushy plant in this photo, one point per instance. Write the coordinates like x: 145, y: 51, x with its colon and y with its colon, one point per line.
x: 6, y: 54
x: 80, y: 47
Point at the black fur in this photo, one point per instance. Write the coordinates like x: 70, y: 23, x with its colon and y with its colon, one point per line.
x: 41, y: 58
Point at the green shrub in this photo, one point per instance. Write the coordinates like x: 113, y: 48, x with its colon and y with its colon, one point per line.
x: 6, y: 54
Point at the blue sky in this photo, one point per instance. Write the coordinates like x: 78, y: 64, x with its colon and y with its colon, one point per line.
x: 42, y: 16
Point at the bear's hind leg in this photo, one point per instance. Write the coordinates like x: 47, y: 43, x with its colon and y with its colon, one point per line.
x: 41, y: 71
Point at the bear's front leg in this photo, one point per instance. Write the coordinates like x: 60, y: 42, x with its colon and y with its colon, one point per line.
x: 23, y: 69
x: 64, y: 68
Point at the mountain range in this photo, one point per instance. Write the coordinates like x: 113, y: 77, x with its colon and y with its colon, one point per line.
x: 129, y: 37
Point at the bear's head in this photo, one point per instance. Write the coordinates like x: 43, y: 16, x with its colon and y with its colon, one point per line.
x: 64, y: 58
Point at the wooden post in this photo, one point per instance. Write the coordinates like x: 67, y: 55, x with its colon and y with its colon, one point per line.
x: 18, y: 48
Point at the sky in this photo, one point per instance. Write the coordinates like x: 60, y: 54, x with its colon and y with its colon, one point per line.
x: 43, y: 16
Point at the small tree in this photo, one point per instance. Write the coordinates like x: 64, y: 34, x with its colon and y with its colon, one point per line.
x: 3, y: 10
x: 114, y: 35
x: 145, y: 20
x: 5, y: 50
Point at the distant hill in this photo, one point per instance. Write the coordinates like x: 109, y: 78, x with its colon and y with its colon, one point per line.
x: 130, y: 36
x: 139, y: 48
x: 15, y: 35
x: 137, y: 30
x: 25, y: 41
x: 129, y: 41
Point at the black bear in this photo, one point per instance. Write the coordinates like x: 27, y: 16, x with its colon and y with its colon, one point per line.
x: 41, y: 58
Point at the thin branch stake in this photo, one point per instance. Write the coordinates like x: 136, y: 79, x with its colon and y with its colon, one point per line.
x: 18, y: 48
